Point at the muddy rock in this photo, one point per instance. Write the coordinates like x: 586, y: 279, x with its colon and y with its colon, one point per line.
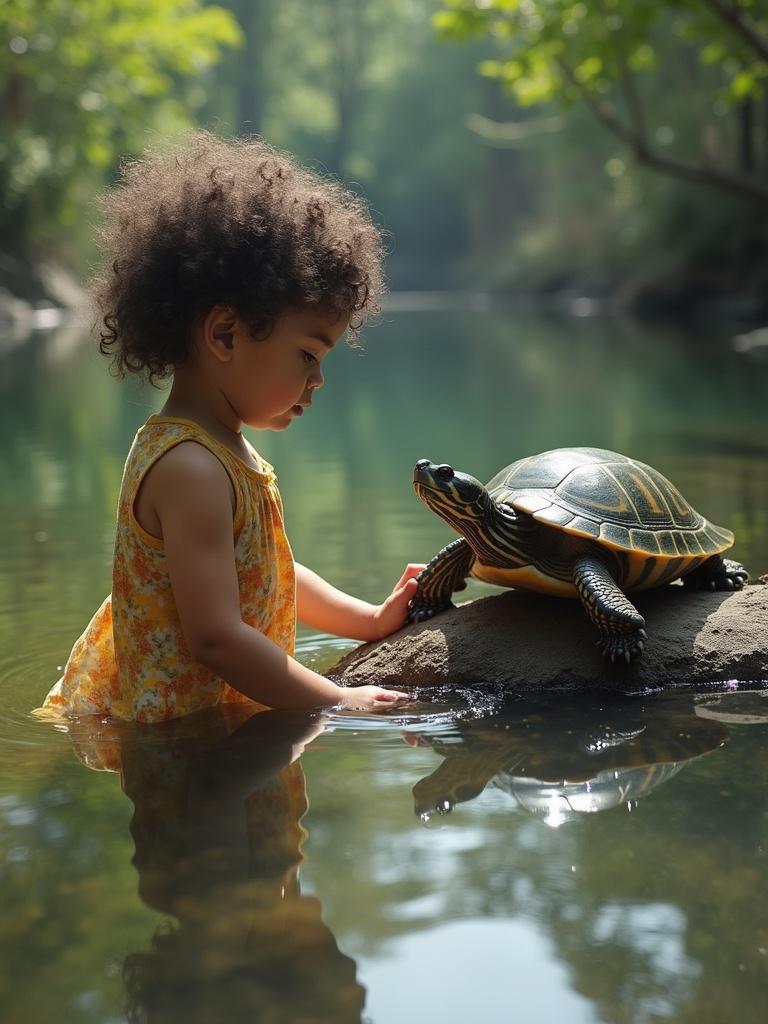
x: 529, y: 643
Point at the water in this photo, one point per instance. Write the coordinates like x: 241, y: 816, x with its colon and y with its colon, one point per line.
x: 465, y: 858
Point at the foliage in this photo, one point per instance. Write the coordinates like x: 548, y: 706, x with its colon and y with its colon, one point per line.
x: 83, y: 82
x: 483, y: 181
x: 601, y: 53
x: 389, y: 118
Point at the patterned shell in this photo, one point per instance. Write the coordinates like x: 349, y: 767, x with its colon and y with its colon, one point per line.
x: 604, y: 496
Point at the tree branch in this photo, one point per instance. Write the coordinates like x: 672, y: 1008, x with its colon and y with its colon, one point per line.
x: 745, y: 188
x: 632, y: 97
x: 742, y: 25
x: 627, y: 82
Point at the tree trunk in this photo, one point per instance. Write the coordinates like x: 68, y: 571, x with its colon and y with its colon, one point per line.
x: 350, y: 40
x: 747, y: 136
x: 501, y: 197
x: 14, y: 100
x: 253, y: 16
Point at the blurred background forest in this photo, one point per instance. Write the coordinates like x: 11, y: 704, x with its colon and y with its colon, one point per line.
x: 613, y: 148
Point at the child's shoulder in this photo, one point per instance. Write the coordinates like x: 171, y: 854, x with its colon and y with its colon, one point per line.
x: 189, y: 467
x: 190, y: 461
x: 176, y: 448
x: 187, y: 476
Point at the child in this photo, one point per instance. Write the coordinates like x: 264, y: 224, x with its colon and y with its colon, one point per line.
x: 235, y: 272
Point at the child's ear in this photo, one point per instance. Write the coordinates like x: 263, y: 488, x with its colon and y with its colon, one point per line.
x: 224, y: 336
x: 219, y: 332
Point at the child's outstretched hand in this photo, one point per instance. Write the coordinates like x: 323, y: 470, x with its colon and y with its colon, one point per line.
x: 391, y: 614
x: 370, y: 698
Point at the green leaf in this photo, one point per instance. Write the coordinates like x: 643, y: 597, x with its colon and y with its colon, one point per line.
x: 490, y: 68
x: 743, y: 85
x: 642, y: 58
x: 588, y: 70
x: 98, y: 153
x: 712, y: 53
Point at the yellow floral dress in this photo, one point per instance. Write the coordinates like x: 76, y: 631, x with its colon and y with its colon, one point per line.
x: 132, y: 660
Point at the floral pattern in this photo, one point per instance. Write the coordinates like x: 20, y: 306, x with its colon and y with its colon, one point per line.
x: 132, y: 660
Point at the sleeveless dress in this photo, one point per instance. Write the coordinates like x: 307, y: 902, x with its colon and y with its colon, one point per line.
x: 132, y: 661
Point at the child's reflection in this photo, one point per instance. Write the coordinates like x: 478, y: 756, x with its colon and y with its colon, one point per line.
x: 218, y: 800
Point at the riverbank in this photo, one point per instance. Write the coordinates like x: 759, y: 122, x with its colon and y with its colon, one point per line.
x: 34, y: 297
x: 40, y: 295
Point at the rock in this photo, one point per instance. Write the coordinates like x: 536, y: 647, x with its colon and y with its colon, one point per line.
x: 529, y: 643
x: 35, y: 297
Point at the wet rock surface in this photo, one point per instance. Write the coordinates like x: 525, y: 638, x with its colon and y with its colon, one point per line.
x: 529, y: 643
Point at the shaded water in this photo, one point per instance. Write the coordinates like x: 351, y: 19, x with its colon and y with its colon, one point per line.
x: 536, y: 861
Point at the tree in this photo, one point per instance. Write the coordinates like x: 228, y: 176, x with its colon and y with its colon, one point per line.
x: 601, y: 53
x: 81, y: 83
x: 331, y: 61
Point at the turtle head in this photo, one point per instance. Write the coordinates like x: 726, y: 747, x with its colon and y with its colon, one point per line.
x: 456, y: 497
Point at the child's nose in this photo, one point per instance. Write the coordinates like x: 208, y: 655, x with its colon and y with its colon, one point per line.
x: 316, y: 379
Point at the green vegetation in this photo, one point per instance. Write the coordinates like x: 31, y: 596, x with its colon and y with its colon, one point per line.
x: 675, y: 89
x: 84, y: 82
x: 612, y: 147
x: 601, y: 55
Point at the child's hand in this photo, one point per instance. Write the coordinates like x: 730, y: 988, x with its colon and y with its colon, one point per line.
x: 370, y: 698
x: 391, y: 615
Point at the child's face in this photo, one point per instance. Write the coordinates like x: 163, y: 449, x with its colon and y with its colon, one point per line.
x: 270, y: 382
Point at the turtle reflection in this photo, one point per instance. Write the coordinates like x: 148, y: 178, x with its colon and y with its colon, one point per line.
x: 557, y: 761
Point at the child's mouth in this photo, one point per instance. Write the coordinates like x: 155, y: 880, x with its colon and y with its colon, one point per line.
x: 297, y: 410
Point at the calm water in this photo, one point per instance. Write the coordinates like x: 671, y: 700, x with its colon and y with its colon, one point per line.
x: 467, y: 859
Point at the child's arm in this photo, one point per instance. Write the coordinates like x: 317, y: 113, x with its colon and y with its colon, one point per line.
x: 322, y: 606
x: 191, y: 494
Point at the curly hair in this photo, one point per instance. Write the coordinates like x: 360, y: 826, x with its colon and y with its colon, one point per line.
x: 233, y: 223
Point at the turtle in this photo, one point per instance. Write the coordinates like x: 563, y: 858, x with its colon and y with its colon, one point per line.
x: 555, y: 759
x: 583, y: 523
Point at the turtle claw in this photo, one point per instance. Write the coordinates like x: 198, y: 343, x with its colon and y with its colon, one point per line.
x: 623, y: 648
x: 722, y: 574
x: 420, y: 613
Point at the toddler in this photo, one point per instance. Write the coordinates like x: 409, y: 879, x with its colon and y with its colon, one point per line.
x: 235, y: 272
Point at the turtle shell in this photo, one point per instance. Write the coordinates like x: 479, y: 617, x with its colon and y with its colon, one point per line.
x: 604, y: 496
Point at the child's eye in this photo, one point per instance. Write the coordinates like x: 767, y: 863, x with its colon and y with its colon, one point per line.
x: 308, y: 357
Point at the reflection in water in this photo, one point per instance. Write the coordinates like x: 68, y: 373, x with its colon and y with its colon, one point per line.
x: 556, y: 804
x: 218, y: 799
x: 658, y: 914
x: 745, y: 707
x: 557, y: 761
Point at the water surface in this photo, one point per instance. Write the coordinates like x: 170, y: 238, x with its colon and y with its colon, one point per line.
x: 466, y: 857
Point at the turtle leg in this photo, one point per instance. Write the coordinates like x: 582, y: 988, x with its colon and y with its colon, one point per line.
x: 717, y: 573
x: 619, y: 623
x: 446, y: 572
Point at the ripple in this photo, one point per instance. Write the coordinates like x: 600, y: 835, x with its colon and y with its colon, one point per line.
x: 24, y: 681
x: 435, y: 709
x: 430, y: 711
x: 26, y: 676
